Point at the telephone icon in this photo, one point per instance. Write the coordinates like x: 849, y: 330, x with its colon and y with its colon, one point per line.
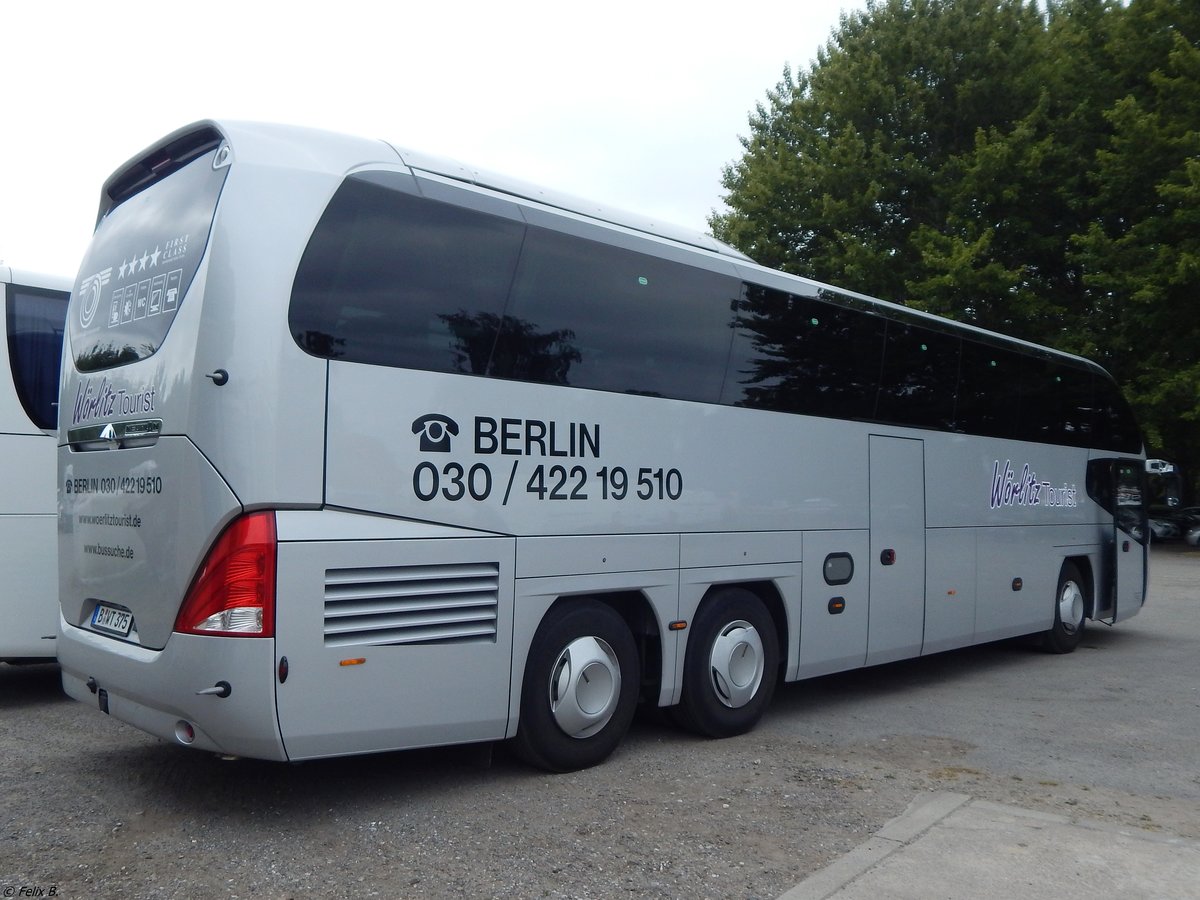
x: 435, y: 431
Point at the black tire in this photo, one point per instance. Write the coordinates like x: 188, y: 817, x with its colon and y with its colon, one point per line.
x: 731, y: 666
x: 558, y: 731
x: 1070, y: 608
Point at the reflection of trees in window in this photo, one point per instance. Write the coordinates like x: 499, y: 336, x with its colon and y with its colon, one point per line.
x: 775, y: 369
x: 807, y: 356
x: 920, y: 377
x: 319, y: 343
x: 106, y: 356
x: 508, y: 347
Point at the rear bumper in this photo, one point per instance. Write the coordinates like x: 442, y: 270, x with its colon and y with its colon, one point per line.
x: 155, y: 690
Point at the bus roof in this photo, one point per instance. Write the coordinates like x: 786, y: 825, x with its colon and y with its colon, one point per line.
x: 26, y: 277
x: 449, y: 168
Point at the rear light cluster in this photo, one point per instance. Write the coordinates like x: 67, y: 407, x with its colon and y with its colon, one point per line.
x: 234, y: 592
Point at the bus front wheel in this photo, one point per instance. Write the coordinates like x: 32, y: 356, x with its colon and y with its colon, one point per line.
x: 1070, y: 607
x: 731, y: 666
x: 580, y: 690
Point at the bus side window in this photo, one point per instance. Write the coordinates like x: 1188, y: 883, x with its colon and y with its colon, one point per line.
x: 804, y: 355
x: 395, y: 279
x: 1117, y: 428
x: 619, y: 320
x: 920, y: 377
x: 989, y: 391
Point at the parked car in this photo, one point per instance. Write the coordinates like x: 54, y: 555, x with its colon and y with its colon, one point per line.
x: 1187, y: 520
x: 1187, y: 517
x: 1163, y: 529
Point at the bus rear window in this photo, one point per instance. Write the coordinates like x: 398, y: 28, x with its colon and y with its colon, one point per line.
x: 140, y: 264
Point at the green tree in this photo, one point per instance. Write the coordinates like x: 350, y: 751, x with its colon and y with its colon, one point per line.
x: 1030, y: 170
x: 1140, y: 254
x: 847, y: 163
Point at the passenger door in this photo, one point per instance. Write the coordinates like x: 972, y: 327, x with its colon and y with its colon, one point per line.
x: 1126, y: 544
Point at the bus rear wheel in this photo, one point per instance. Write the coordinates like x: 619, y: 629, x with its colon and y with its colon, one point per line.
x: 580, y: 690
x: 731, y: 666
x: 1070, y: 607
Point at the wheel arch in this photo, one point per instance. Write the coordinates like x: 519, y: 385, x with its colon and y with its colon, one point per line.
x: 638, y: 612
x: 1083, y: 565
x: 646, y: 606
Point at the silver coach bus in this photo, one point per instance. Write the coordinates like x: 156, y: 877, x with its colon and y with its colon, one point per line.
x: 365, y: 450
x: 33, y: 308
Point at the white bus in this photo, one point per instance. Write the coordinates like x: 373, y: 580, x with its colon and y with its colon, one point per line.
x: 33, y: 308
x: 365, y: 450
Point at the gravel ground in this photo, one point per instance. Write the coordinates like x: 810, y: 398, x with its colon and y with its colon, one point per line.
x: 98, y: 809
x: 93, y: 808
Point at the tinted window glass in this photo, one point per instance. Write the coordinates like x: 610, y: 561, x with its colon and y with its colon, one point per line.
x: 804, y: 355
x: 140, y: 264
x: 454, y: 281
x: 920, y: 377
x: 989, y: 391
x: 1056, y: 403
x: 1116, y: 428
x: 1078, y: 411
x: 596, y: 316
x: 395, y: 279
x: 35, y: 339
x: 1031, y: 398
x: 1130, y: 512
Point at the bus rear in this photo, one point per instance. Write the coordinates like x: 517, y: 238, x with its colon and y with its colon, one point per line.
x: 172, y: 464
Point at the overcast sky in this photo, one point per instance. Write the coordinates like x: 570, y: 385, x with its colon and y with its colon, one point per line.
x: 635, y: 105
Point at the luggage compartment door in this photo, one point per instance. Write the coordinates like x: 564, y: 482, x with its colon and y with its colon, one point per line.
x: 896, y: 622
x: 393, y: 644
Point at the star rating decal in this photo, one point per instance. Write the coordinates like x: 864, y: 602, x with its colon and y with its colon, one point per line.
x: 148, y: 260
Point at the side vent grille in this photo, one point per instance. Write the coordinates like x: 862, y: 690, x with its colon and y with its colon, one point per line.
x: 411, y: 604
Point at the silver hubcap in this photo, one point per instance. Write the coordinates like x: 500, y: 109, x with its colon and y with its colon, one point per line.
x: 1070, y: 607
x: 736, y: 664
x: 585, y: 684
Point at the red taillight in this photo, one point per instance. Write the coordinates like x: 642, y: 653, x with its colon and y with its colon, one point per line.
x: 234, y: 592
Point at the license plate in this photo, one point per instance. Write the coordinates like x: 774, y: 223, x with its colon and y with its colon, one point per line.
x: 113, y: 620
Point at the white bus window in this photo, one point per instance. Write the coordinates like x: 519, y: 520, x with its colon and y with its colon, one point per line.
x: 35, y: 341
